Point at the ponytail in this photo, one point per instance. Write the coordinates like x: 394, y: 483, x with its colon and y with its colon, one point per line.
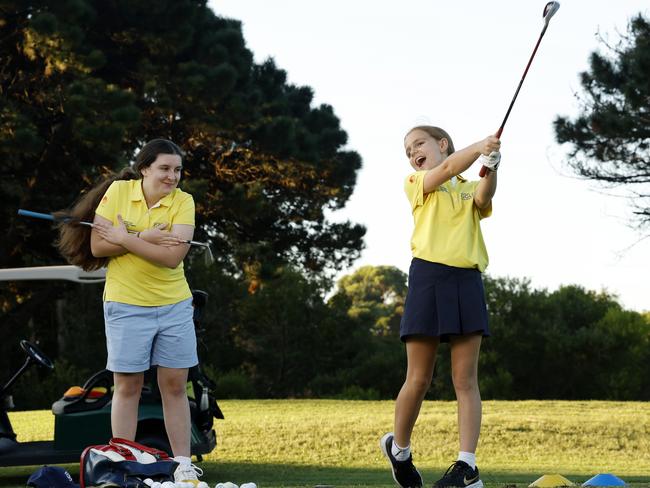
x: 74, y: 240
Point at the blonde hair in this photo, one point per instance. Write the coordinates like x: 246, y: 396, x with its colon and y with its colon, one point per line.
x: 437, y: 133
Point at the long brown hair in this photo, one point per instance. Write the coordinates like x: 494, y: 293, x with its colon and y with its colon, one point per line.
x: 74, y: 240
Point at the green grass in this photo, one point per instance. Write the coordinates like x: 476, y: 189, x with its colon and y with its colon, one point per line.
x: 329, y: 442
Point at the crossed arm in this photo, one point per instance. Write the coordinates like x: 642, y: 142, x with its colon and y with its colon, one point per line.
x: 162, y: 248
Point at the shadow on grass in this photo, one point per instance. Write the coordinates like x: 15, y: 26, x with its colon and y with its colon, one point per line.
x: 279, y: 475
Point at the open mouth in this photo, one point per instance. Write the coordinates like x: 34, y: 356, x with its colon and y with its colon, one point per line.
x: 420, y: 160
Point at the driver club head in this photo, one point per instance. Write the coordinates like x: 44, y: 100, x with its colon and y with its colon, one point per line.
x: 549, y: 11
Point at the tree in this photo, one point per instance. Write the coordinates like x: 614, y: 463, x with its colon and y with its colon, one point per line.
x: 377, y: 295
x: 84, y: 84
x: 610, y: 138
x: 285, y: 335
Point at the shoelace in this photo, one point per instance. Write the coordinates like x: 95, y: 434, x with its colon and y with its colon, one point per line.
x: 192, y: 470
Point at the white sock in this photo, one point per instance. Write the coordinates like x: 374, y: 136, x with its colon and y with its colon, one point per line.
x: 468, y: 457
x: 400, y: 453
x: 183, y: 461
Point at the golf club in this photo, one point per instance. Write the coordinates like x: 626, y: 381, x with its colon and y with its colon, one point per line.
x: 549, y: 10
x: 68, y: 219
x: 65, y: 219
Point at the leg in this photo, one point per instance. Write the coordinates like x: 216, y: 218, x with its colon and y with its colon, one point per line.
x: 464, y: 372
x: 124, y: 407
x: 176, y: 408
x: 421, y: 357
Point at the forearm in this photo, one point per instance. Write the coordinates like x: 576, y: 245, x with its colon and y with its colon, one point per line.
x: 101, y: 248
x: 169, y: 257
x: 454, y: 165
x: 461, y: 160
x: 485, y: 190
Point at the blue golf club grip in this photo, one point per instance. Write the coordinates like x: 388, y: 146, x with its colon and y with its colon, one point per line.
x: 36, y: 215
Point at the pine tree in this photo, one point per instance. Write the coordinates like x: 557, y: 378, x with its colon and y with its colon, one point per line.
x: 610, y: 138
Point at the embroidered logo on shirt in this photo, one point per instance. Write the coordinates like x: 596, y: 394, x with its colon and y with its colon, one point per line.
x: 466, y: 196
x: 411, y: 179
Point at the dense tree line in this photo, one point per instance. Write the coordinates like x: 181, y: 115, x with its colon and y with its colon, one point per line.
x: 286, y: 340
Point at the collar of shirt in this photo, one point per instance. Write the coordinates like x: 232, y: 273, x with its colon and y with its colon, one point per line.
x: 137, y: 195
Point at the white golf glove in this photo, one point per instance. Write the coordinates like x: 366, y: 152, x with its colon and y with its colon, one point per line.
x: 492, y: 161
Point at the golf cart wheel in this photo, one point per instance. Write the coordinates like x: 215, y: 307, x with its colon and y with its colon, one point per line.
x: 156, y: 442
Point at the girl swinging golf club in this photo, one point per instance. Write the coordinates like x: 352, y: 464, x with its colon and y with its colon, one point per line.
x: 445, y: 300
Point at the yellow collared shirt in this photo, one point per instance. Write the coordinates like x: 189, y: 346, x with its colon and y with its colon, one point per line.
x: 130, y: 278
x: 447, y: 223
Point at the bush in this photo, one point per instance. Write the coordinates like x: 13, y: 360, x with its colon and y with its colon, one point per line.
x: 233, y: 384
x: 355, y: 392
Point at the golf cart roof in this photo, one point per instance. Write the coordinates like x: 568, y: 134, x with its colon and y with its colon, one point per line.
x: 69, y: 273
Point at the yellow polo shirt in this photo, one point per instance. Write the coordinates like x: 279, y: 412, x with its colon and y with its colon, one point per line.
x: 447, y: 223
x: 130, y: 278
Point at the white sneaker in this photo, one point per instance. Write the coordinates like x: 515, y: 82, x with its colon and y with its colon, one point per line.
x: 188, y: 475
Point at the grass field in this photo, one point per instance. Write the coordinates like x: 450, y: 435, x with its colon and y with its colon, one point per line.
x: 330, y: 442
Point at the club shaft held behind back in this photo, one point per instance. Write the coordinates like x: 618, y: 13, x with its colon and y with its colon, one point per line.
x: 36, y: 215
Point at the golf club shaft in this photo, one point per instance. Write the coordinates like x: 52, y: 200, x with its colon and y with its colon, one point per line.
x: 483, y: 170
x: 45, y: 216
x: 196, y: 243
x: 52, y: 218
x: 36, y: 215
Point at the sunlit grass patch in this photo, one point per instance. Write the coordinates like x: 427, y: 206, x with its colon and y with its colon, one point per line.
x: 310, y: 442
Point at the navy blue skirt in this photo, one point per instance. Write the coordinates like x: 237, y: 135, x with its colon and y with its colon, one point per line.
x: 443, y: 301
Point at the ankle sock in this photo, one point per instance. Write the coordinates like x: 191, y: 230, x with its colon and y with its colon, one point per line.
x: 183, y: 460
x: 400, y: 453
x: 468, y: 457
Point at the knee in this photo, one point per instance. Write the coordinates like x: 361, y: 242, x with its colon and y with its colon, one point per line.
x: 465, y: 382
x: 418, y: 383
x: 128, y: 388
x: 173, y: 387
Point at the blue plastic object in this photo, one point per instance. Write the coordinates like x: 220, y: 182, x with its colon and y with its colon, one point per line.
x: 36, y: 215
x: 604, y: 480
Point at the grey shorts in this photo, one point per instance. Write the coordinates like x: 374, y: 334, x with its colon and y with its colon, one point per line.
x: 140, y: 337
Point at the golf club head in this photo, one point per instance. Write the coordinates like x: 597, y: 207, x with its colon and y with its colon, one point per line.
x: 549, y: 11
x: 208, y: 257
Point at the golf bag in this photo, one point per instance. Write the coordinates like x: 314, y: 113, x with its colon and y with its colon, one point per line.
x: 124, y: 464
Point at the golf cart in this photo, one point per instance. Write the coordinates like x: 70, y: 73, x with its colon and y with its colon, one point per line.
x: 83, y: 415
